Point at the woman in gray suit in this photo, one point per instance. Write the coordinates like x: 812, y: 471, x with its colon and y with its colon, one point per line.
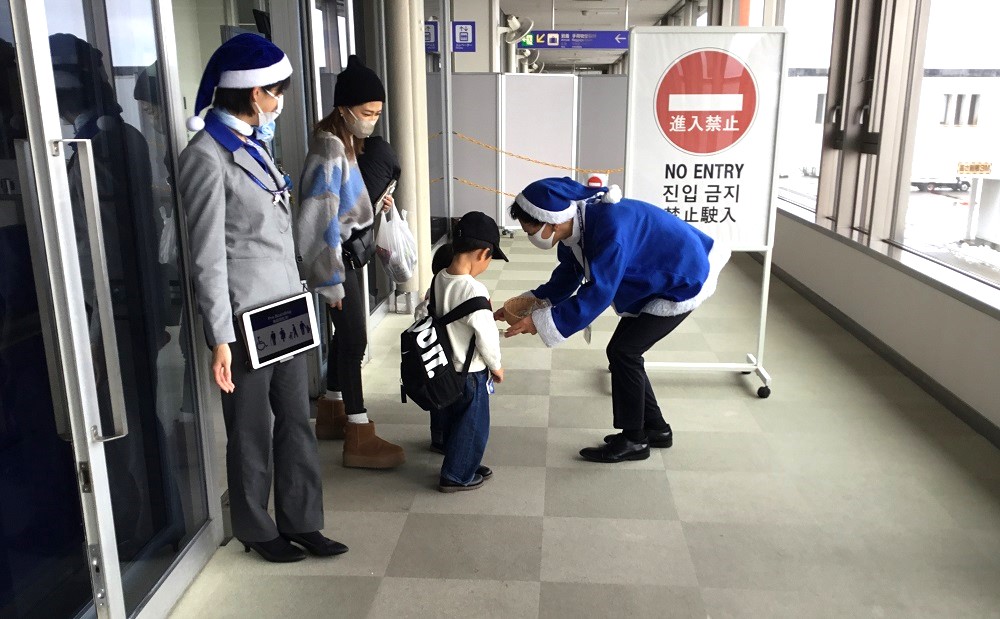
x: 243, y: 257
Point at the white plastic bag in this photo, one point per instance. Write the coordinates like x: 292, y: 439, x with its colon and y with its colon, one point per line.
x: 168, y: 238
x: 396, y: 246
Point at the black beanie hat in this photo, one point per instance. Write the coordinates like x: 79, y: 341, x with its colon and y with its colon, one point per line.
x: 357, y: 84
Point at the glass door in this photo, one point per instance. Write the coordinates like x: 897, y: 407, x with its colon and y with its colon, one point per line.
x: 99, y: 423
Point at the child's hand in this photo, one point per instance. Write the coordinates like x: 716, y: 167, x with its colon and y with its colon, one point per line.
x: 497, y: 375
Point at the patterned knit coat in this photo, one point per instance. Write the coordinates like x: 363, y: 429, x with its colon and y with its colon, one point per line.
x: 333, y: 204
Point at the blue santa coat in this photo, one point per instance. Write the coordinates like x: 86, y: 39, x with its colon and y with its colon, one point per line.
x: 637, y: 254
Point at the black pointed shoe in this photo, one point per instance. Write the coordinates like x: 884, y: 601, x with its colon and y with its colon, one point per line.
x: 658, y: 439
x: 316, y: 543
x: 277, y: 550
x: 618, y: 449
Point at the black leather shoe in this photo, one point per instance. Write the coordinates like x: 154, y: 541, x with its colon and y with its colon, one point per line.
x: 316, y: 543
x: 485, y: 471
x: 278, y: 550
x: 618, y: 449
x: 658, y: 439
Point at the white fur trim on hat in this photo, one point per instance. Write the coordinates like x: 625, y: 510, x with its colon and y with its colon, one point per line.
x: 195, y: 124
x: 613, y: 195
x: 546, y: 217
x: 256, y: 77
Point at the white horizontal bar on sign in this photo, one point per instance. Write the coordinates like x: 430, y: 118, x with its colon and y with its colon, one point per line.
x: 705, y: 103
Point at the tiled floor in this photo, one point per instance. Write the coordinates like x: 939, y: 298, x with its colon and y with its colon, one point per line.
x: 848, y: 493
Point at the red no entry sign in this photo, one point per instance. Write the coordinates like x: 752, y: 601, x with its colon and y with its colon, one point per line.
x: 706, y: 101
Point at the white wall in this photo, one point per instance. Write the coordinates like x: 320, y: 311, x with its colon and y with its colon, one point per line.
x: 950, y: 341
x: 480, y: 12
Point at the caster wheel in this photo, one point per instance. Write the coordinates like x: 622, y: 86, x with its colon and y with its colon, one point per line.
x: 746, y: 373
x: 763, y: 392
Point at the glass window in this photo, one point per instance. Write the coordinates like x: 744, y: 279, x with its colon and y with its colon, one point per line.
x: 952, y: 212
x: 803, y: 109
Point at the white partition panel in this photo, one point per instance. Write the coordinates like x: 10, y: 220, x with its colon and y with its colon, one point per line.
x: 475, y: 99
x: 539, y: 115
x: 601, y: 127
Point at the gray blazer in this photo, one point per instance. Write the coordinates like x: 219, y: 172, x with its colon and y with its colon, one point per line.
x: 242, y: 247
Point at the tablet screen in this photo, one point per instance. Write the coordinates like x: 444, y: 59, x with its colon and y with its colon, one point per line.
x: 281, y: 329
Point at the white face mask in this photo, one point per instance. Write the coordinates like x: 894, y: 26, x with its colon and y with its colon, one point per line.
x: 268, y: 118
x: 360, y: 129
x: 543, y: 243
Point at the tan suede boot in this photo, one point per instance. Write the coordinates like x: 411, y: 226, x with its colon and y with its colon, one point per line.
x: 364, y: 450
x: 330, y: 419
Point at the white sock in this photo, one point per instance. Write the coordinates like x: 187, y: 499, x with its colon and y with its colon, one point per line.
x: 359, y: 418
x: 335, y: 395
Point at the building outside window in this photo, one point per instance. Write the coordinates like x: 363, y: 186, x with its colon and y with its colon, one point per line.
x: 952, y: 213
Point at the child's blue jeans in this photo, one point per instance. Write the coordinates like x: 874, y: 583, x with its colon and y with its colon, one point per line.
x: 464, y: 429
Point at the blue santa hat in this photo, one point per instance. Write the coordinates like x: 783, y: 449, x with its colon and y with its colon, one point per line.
x: 553, y: 200
x: 244, y: 61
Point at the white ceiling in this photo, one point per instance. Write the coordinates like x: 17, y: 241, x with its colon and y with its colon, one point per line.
x: 600, y: 15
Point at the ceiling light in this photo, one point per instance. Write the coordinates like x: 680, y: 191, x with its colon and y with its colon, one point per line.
x: 600, y: 11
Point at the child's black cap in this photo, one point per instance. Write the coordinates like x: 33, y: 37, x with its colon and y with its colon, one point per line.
x: 480, y: 227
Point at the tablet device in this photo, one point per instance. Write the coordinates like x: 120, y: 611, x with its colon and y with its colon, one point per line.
x: 281, y: 330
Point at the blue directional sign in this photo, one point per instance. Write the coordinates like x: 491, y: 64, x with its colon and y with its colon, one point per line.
x: 431, y: 45
x: 463, y: 36
x: 575, y: 39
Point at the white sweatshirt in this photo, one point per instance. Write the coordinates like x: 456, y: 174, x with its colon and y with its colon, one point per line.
x: 451, y: 291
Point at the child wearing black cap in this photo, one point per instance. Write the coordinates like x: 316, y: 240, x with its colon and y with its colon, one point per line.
x: 465, y: 425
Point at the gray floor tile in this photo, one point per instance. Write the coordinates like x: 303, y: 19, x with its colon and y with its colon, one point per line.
x: 756, y: 604
x: 784, y: 557
x: 608, y: 493
x: 580, y: 412
x: 273, y: 595
x: 435, y: 598
x: 509, y: 446
x: 526, y: 382
x: 513, y: 491
x: 527, y: 359
x: 561, y: 600
x: 523, y: 411
x: 743, y: 452
x: 469, y: 547
x: 738, y: 498
x: 613, y: 551
x: 590, y: 383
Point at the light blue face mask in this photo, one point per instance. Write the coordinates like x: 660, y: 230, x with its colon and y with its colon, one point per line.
x: 265, y: 133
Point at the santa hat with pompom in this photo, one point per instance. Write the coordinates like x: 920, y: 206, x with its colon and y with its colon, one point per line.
x: 553, y: 200
x: 244, y: 61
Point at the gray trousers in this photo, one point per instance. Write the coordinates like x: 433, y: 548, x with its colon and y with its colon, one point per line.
x: 277, y: 393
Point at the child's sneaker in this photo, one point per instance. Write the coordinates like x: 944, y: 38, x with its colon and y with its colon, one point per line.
x: 477, y: 482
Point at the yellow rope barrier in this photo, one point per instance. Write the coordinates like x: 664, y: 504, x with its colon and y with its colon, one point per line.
x: 530, y: 160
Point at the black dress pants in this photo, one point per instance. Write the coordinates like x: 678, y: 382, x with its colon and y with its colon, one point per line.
x: 348, y: 344
x: 632, y: 397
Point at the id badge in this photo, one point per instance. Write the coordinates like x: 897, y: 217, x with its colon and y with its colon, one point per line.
x: 490, y: 388
x: 587, y: 333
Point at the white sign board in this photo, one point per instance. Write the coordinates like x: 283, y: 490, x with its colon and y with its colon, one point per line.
x: 702, y: 119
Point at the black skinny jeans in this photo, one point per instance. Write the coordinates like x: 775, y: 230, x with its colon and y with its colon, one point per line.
x: 632, y: 398
x: 348, y: 344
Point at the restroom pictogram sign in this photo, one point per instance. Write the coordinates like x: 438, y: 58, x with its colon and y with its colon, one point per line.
x: 706, y: 101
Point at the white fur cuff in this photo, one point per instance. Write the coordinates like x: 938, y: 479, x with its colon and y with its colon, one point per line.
x: 546, y: 327
x: 544, y: 216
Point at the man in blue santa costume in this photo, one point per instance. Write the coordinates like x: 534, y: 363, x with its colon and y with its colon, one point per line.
x: 652, y: 266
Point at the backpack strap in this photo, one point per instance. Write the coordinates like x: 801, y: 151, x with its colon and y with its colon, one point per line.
x: 464, y: 309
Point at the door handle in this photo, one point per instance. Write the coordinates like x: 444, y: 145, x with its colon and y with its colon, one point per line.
x: 835, y: 115
x: 102, y: 290
x: 862, y: 115
x: 32, y: 215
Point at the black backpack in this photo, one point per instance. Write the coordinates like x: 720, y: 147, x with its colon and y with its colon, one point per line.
x: 426, y: 372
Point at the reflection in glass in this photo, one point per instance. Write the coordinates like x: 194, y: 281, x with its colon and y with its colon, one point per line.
x: 42, y: 542
x: 113, y: 98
